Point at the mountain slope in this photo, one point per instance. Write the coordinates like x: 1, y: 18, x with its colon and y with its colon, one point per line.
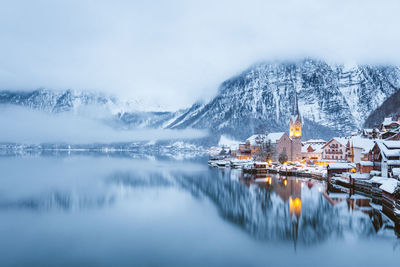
x: 390, y: 107
x: 332, y: 99
x: 124, y: 113
x: 55, y: 101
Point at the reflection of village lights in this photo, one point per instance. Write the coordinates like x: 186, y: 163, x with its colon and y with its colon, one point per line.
x: 295, y: 206
x: 268, y: 180
x: 285, y: 182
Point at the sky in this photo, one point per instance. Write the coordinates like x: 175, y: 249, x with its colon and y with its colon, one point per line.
x: 174, y: 53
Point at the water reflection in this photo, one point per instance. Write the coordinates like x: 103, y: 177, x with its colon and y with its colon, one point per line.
x: 65, y: 201
x: 269, y: 208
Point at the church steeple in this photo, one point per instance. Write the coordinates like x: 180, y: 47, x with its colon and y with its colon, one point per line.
x: 295, y: 121
x: 297, y: 107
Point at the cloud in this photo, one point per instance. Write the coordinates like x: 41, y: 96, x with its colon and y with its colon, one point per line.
x: 23, y: 125
x: 176, y: 52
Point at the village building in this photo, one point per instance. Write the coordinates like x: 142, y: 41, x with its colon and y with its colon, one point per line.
x: 365, y: 166
x: 249, y: 149
x: 369, y: 133
x: 359, y: 148
x: 339, y: 168
x: 389, y: 124
x: 295, y: 137
x: 312, y: 152
x: 335, y: 149
x: 385, y: 156
x: 281, y: 142
x: 315, y: 142
x: 393, y: 134
x: 389, y: 129
x: 389, y: 200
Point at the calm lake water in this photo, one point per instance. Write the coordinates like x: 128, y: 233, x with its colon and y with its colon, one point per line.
x: 116, y: 211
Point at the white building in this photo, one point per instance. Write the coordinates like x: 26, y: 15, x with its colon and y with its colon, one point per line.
x: 335, y: 149
x: 359, y: 149
x: 386, y: 156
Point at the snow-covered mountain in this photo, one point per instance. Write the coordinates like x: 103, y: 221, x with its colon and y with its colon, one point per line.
x: 56, y: 101
x: 391, y: 107
x: 332, y: 99
x: 131, y: 112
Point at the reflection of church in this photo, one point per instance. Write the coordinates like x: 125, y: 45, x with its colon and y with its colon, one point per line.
x: 291, y: 195
x: 289, y: 190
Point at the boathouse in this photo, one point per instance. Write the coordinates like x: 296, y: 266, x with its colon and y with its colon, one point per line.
x: 339, y: 168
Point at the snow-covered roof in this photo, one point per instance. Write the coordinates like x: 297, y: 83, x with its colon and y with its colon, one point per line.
x: 389, y: 148
x: 362, y: 176
x: 366, y: 163
x: 363, y: 143
x: 313, y: 141
x: 317, y: 148
x: 392, y: 144
x: 378, y: 179
x: 374, y: 172
x: 254, y: 138
x: 341, y: 140
x: 387, y: 121
x: 275, y: 136
x: 339, y: 165
x: 389, y: 185
x: 396, y: 171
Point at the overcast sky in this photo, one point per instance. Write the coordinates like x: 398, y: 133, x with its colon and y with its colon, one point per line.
x: 175, y: 52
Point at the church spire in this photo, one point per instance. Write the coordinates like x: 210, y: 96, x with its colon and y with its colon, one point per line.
x: 295, y: 121
x: 297, y: 113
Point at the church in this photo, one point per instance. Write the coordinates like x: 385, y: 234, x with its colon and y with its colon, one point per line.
x: 281, y: 142
x: 289, y: 144
x: 295, y: 136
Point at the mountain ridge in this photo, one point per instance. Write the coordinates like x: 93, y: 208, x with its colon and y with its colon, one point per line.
x: 333, y: 100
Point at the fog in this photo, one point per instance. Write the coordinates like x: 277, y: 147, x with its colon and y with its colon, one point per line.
x: 23, y: 125
x: 176, y: 52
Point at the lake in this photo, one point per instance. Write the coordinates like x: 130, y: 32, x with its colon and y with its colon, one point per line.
x: 99, y: 210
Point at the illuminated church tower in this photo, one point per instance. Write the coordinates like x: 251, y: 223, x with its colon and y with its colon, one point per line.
x: 295, y: 134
